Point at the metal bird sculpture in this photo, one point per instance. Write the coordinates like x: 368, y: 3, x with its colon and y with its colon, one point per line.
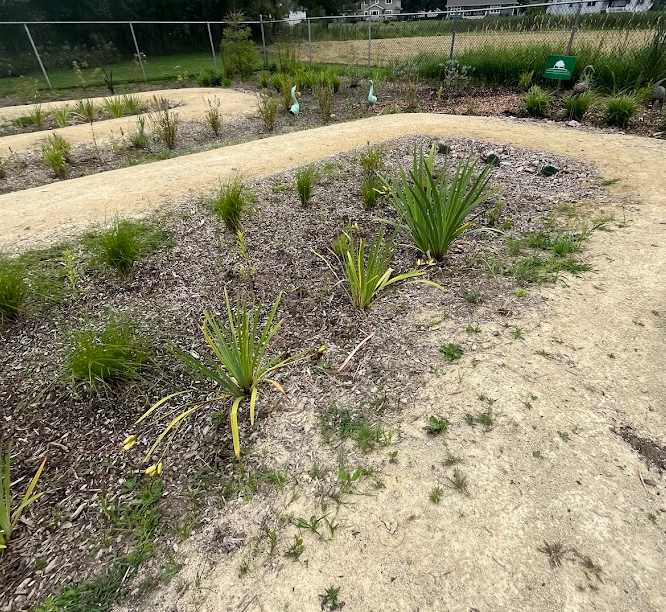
x: 295, y: 106
x: 372, y: 98
x: 658, y: 95
x: 584, y: 85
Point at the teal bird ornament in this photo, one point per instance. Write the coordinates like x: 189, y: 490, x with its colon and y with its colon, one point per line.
x: 372, y: 98
x: 295, y: 107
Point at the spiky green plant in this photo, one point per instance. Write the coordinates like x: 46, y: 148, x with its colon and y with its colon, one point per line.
x: 537, y: 101
x: 620, y: 109
x: 575, y: 107
x: 13, y: 289
x: 55, y: 152
x: 61, y: 115
x: 86, y: 110
x: 232, y: 201
x: 238, y: 365
x: 132, y: 104
x: 9, y: 519
x: 306, y: 178
x: 433, y: 211
x: 114, y: 106
x: 368, y: 276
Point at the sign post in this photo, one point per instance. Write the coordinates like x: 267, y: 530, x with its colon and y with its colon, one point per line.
x: 560, y: 67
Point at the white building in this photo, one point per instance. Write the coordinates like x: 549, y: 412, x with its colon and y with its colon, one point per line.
x: 297, y: 16
x: 476, y: 9
x: 601, y: 6
x: 379, y: 9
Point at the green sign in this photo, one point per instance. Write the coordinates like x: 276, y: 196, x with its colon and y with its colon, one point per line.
x: 560, y: 67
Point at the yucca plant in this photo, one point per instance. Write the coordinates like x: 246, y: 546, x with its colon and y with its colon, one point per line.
x: 525, y: 80
x: 620, y: 109
x: 238, y: 365
x: 86, y: 110
x: 132, y: 104
x: 233, y: 200
x: 9, y: 519
x: 305, y: 180
x: 368, y: 276
x: 575, y: 107
x: 61, y: 115
x: 537, y: 101
x: 114, y: 106
x: 433, y: 211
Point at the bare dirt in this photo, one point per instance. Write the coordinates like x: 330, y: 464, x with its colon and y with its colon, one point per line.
x: 552, y: 469
x: 191, y: 103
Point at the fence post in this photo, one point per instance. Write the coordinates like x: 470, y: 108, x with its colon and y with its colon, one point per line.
x: 263, y: 41
x: 574, y: 28
x: 212, y: 46
x: 369, y: 42
x: 309, y: 41
x: 138, y: 53
x: 453, y: 35
x: 39, y: 59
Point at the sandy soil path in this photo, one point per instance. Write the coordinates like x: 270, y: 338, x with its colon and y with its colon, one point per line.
x: 30, y: 216
x: 192, y: 106
x: 528, y: 483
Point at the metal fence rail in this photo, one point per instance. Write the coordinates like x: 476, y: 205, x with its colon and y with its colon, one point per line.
x: 79, y: 53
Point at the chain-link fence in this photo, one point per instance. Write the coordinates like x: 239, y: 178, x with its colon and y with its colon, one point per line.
x: 494, y: 42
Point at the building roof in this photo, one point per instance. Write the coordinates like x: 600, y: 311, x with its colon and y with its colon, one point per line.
x: 474, y: 3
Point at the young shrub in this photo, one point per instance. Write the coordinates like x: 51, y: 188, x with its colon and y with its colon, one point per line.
x: 371, y: 191
x: 264, y: 80
x: 61, y: 115
x: 114, y: 106
x: 620, y: 109
x: 137, y: 136
x: 37, y: 115
x: 100, y: 358
x: 286, y: 83
x: 13, y: 289
x: 433, y: 211
x: 576, y: 107
x: 55, y: 152
x: 213, y: 116
x: 9, y: 519
x: 165, y: 124
x: 305, y: 180
x: 123, y: 244
x: 238, y: 365
x: 233, y: 200
x: 324, y: 95
x: 537, y: 101
x: 238, y: 50
x: 334, y: 81
x: 86, y: 110
x: 269, y: 109
x: 368, y: 277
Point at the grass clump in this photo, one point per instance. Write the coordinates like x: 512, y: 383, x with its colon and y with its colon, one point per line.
x: 436, y: 425
x: 165, y: 123
x: 433, y: 211
x: 233, y: 200
x: 537, y: 101
x: 123, y: 244
x: 13, y: 289
x: 371, y: 191
x: 451, y: 352
x: 137, y: 137
x: 55, y: 152
x: 269, y: 109
x: 100, y: 358
x: 61, y: 115
x: 353, y: 425
x: 372, y: 161
x: 132, y: 104
x: 86, y: 110
x: 435, y: 495
x: 114, y: 106
x: 575, y: 107
x: 305, y: 181
x: 324, y: 95
x: 213, y: 116
x: 620, y: 109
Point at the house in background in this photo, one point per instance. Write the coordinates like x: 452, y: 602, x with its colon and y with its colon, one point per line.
x: 601, y: 6
x: 380, y: 9
x: 476, y: 9
x: 296, y: 16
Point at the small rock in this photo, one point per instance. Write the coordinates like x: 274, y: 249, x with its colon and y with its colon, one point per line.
x: 443, y: 148
x: 549, y: 170
x: 573, y: 123
x: 530, y: 169
x: 396, y: 495
x: 649, y: 482
x: 492, y: 159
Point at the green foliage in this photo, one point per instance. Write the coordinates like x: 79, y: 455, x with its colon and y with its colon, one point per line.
x: 435, y: 495
x: 213, y: 116
x: 433, y: 210
x: 233, y: 200
x: 132, y: 104
x: 662, y: 121
x: 86, y: 110
x: 306, y: 178
x: 353, y: 425
x: 324, y: 95
x: 576, y: 107
x: 13, y: 289
x: 620, y: 109
x: 111, y: 355
x: 436, y: 425
x: 165, y: 123
x: 452, y: 352
x: 8, y: 518
x: 114, y: 106
x: 269, y: 109
x: 372, y: 161
x: 238, y: 50
x: 329, y: 599
x: 537, y: 101
x: 525, y: 80
x: 55, y: 152
x: 368, y: 277
x: 208, y: 78
x: 137, y: 136
x: 37, y: 115
x: 123, y: 244
x: 61, y: 115
x: 371, y: 191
